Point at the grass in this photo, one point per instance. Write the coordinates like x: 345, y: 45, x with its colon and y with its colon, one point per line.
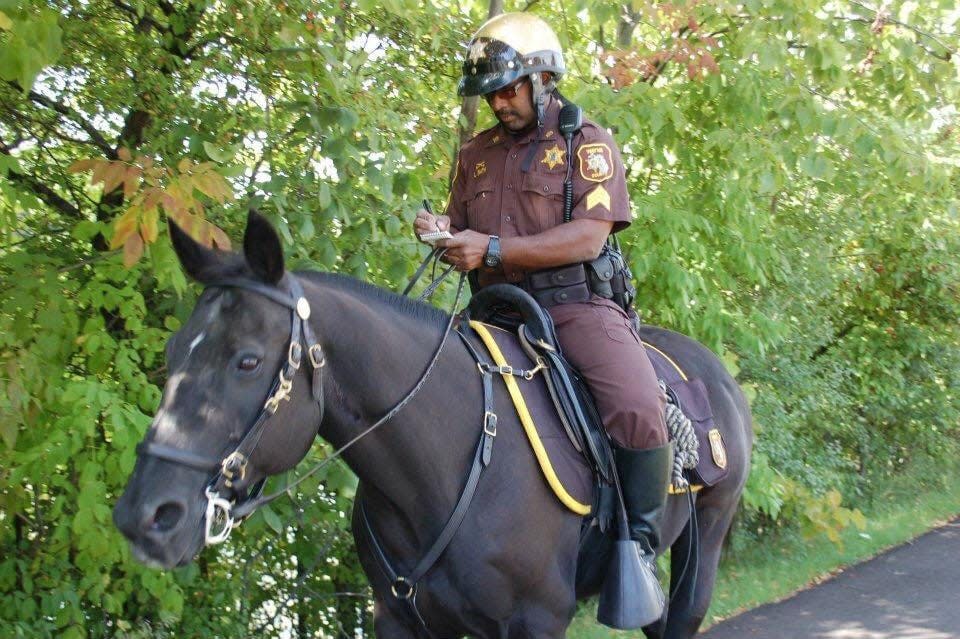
x: 772, y: 569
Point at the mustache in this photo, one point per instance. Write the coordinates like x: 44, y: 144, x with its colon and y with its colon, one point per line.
x: 505, y: 112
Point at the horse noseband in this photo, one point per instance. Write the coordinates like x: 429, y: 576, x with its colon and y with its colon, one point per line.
x: 232, y: 468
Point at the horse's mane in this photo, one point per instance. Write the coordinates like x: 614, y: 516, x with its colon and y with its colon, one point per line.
x: 406, y: 305
x: 233, y: 265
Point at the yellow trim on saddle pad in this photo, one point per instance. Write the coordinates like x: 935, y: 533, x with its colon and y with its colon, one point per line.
x: 669, y: 359
x: 528, y: 427
x: 673, y: 490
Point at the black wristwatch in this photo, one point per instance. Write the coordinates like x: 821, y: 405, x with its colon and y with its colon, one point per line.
x: 491, y: 258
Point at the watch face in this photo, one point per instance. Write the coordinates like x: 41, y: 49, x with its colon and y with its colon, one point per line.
x: 492, y: 257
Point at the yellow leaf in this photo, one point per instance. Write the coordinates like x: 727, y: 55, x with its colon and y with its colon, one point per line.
x: 184, y: 165
x: 5, y: 22
x: 148, y: 226
x: 124, y: 227
x: 124, y: 154
x: 131, y: 181
x: 151, y: 198
x: 82, y: 165
x: 114, y: 175
x: 213, y: 186
x: 220, y: 238
x: 132, y: 250
x: 100, y: 169
x: 204, y: 234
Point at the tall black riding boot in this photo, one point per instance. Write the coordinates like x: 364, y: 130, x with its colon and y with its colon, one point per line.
x: 632, y: 596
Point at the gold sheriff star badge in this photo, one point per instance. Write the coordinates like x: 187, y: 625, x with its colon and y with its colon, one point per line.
x: 553, y: 157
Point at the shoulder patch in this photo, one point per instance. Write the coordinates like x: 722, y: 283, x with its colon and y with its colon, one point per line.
x: 596, y: 162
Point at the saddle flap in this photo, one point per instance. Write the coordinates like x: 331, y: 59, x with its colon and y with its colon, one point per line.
x: 695, y: 404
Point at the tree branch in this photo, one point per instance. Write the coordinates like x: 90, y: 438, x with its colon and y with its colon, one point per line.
x: 140, y: 19
x: 46, y: 194
x: 884, y: 17
x: 95, y: 136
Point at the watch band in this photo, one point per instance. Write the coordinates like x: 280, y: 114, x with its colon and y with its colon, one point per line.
x: 492, y: 258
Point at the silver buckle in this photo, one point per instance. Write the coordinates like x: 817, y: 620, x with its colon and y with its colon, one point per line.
x: 490, y: 423
x: 294, y: 360
x: 218, y: 516
x: 317, y: 359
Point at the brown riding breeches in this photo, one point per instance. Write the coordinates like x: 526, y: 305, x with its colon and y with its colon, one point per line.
x: 598, y: 340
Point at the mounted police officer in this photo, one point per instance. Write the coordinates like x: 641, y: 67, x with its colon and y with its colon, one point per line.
x: 506, y: 211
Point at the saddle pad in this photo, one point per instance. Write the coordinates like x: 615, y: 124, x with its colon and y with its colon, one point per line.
x: 564, y: 469
x: 692, y: 396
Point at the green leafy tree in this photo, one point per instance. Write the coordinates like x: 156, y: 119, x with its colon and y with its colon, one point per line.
x: 793, y: 172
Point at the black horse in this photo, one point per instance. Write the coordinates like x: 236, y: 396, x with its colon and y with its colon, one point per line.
x: 509, y: 570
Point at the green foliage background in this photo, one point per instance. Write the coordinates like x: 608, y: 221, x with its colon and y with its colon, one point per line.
x: 793, y: 170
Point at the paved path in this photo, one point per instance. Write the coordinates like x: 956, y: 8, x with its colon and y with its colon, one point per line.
x: 910, y: 592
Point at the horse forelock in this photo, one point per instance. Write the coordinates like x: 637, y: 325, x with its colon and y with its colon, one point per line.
x: 229, y: 265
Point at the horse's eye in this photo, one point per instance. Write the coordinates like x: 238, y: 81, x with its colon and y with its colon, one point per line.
x: 248, y: 363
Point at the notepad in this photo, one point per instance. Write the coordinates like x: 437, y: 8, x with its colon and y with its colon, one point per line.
x: 433, y: 236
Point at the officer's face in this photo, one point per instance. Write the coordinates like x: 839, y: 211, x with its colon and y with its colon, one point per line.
x: 513, y: 105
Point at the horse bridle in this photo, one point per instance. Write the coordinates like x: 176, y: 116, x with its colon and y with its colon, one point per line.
x: 233, y: 468
x: 224, y: 514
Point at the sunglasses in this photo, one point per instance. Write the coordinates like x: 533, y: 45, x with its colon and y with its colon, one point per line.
x: 506, y: 93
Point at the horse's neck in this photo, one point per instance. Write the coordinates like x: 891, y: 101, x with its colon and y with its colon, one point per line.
x: 415, y: 463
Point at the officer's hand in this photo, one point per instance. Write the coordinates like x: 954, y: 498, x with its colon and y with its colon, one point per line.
x: 465, y: 250
x: 427, y: 222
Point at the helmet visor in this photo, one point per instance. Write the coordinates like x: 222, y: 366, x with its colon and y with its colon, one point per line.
x: 490, y: 65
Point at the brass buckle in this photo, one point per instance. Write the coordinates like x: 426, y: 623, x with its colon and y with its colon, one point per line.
x: 283, y: 392
x: 234, y: 463
x: 541, y: 364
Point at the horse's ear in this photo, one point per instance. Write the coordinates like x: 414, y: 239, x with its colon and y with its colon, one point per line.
x: 197, y: 260
x: 261, y: 246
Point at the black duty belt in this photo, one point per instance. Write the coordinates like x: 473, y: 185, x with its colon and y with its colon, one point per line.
x: 562, y: 285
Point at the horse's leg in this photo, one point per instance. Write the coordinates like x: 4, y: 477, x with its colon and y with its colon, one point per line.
x: 540, y: 624
x: 389, y: 625
x: 687, y: 611
x: 549, y: 613
x: 681, y: 581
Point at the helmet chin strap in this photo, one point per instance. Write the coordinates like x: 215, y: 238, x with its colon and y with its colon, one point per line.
x: 539, y: 94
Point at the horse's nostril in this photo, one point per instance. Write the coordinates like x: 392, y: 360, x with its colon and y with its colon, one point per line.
x: 167, y: 517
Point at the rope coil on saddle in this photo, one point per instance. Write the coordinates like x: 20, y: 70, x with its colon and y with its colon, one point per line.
x: 686, y: 454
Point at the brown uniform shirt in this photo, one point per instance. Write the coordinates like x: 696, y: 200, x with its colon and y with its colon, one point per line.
x: 492, y: 194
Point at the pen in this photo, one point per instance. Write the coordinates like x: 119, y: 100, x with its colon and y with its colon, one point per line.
x: 426, y: 205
